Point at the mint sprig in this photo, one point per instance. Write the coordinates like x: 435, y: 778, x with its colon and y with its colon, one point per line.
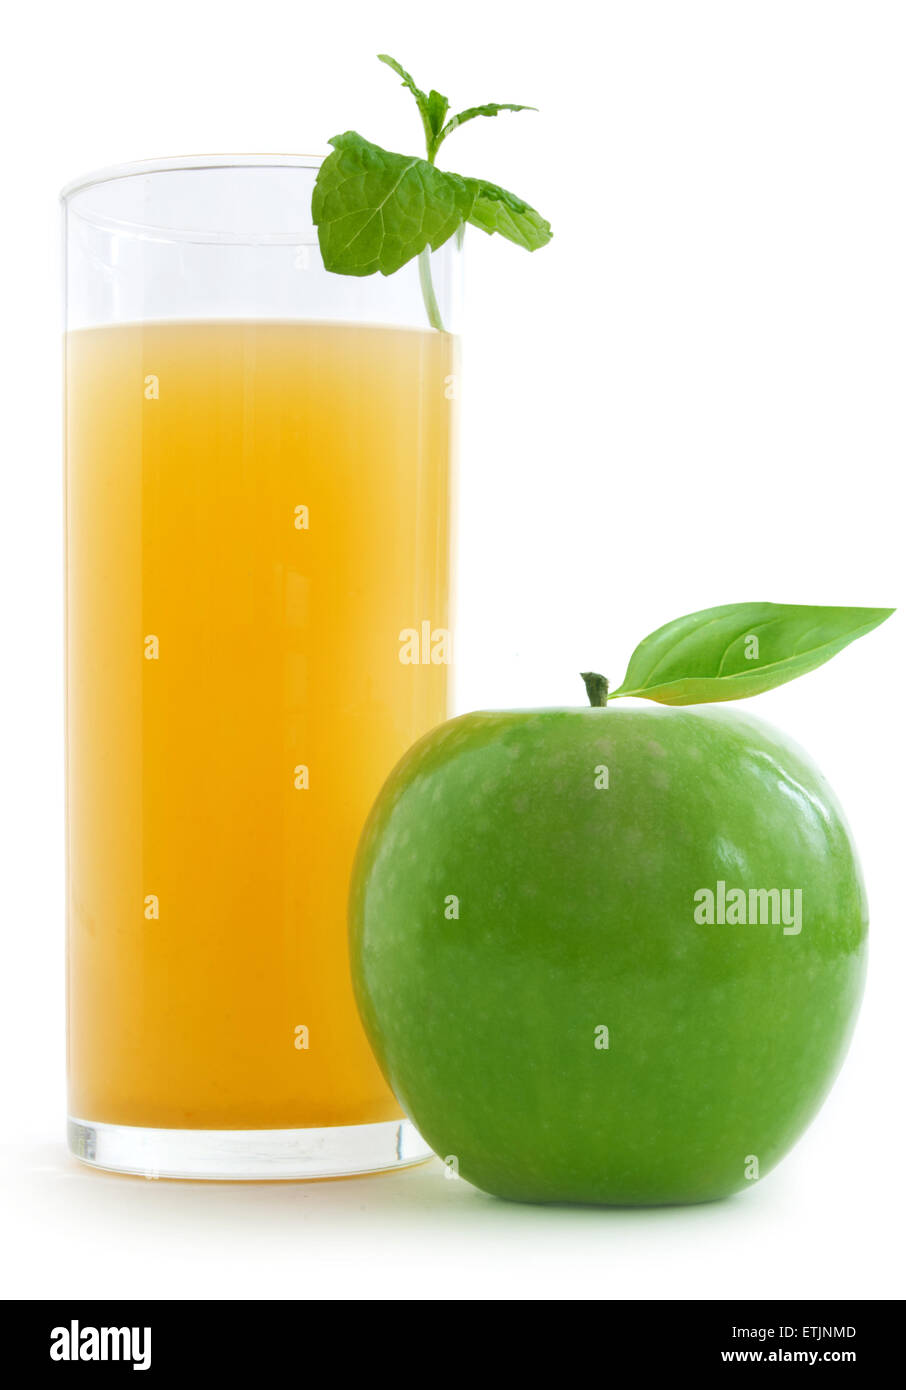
x: 376, y: 210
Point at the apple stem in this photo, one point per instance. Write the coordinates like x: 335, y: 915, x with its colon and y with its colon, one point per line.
x: 596, y: 688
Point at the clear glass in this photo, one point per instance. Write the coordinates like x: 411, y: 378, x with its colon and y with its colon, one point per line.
x: 259, y: 461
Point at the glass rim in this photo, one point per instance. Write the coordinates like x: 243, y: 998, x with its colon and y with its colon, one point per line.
x: 187, y: 164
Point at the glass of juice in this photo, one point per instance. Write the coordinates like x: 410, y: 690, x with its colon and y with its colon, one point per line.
x: 258, y: 523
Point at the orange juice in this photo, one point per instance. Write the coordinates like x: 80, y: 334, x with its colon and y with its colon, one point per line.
x: 258, y: 523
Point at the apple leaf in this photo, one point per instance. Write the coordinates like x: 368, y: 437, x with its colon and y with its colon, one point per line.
x: 740, y: 649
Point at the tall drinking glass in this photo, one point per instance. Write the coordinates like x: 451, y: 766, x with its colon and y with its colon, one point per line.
x: 258, y: 616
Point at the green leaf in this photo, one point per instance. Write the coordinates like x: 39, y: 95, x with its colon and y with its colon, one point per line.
x: 408, y: 81
x: 432, y: 107
x: 438, y: 106
x: 740, y: 649
x: 490, y: 108
x: 496, y: 210
x: 376, y: 210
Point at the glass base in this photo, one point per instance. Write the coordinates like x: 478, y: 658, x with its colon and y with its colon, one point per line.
x: 248, y: 1155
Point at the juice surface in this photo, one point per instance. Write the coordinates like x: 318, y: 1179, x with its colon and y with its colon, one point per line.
x: 256, y: 513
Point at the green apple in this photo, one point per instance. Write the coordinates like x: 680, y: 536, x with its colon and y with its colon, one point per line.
x: 608, y: 955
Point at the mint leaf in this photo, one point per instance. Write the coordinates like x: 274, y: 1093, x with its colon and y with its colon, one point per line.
x: 438, y: 107
x: 490, y: 108
x: 420, y: 97
x: 497, y: 210
x: 740, y: 649
x: 375, y: 210
x: 432, y: 107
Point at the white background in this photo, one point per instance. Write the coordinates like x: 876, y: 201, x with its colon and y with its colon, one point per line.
x: 693, y: 396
